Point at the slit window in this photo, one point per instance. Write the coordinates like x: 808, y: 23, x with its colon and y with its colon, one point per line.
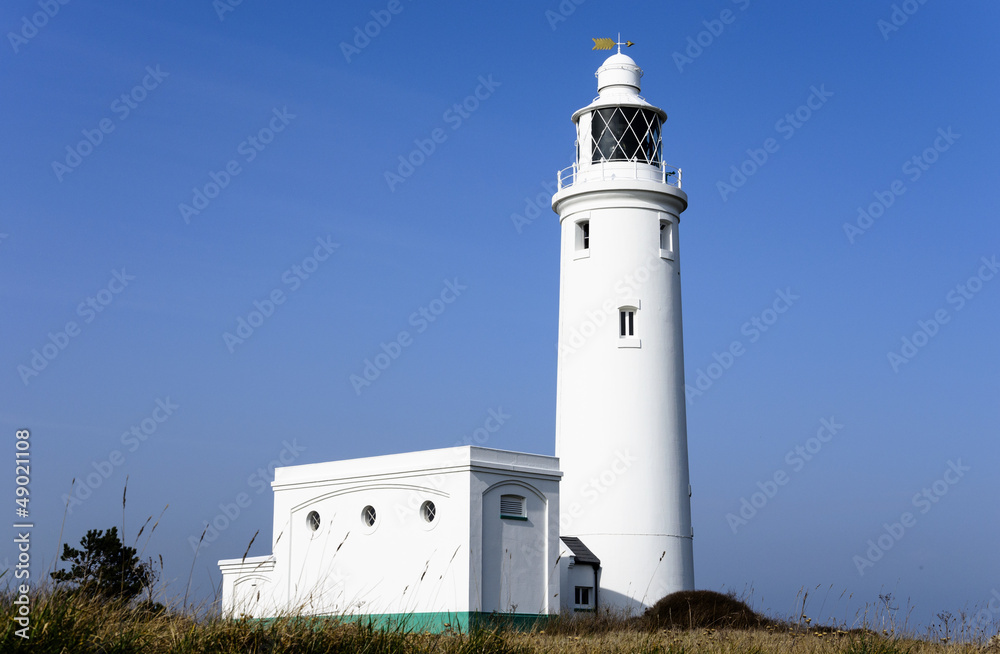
x: 626, y: 322
x: 583, y: 235
x: 512, y: 506
x: 665, y: 234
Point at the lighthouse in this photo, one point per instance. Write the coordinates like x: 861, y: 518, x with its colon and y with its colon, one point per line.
x: 621, y: 429
x: 492, y: 534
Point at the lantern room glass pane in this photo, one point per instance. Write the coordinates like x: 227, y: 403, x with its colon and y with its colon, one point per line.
x: 626, y: 134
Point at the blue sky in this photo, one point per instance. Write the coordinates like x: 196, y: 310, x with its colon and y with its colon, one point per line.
x: 292, y: 134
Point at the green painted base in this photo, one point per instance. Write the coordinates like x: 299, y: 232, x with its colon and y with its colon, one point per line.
x: 463, y: 621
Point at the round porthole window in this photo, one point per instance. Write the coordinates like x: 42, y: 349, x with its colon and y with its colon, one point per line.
x: 368, y: 515
x: 428, y: 511
x: 313, y: 520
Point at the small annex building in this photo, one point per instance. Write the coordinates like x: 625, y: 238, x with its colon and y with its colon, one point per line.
x: 435, y: 537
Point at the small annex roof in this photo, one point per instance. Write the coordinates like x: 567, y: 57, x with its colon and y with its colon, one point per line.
x: 580, y: 551
x: 449, y: 459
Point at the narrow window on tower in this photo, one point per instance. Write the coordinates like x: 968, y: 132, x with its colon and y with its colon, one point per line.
x: 627, y: 322
x: 667, y: 239
x: 582, y: 239
x: 626, y: 325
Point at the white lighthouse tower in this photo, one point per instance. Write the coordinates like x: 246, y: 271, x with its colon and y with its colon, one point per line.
x: 621, y: 433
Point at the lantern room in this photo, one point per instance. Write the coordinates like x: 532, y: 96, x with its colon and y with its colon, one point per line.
x: 619, y: 134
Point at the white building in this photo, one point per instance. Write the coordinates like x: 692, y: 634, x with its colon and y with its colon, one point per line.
x: 437, y: 537
x: 449, y: 537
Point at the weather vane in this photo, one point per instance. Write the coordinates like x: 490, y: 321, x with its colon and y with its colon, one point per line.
x: 607, y: 44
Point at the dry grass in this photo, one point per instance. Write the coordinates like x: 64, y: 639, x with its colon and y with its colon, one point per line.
x: 737, y: 641
x: 63, y: 622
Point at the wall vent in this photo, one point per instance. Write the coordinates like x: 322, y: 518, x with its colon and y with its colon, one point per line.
x: 512, y: 506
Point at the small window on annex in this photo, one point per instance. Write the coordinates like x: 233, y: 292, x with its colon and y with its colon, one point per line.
x: 428, y: 511
x: 581, y: 595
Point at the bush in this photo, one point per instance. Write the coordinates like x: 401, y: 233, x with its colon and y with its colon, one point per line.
x: 694, y: 609
x: 105, y: 567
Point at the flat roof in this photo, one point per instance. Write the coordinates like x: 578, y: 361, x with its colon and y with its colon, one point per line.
x: 465, y: 457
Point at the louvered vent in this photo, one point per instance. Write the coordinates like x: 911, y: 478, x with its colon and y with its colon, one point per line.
x: 512, y: 506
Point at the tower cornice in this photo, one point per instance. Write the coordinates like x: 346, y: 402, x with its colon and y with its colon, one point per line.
x: 637, y: 194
